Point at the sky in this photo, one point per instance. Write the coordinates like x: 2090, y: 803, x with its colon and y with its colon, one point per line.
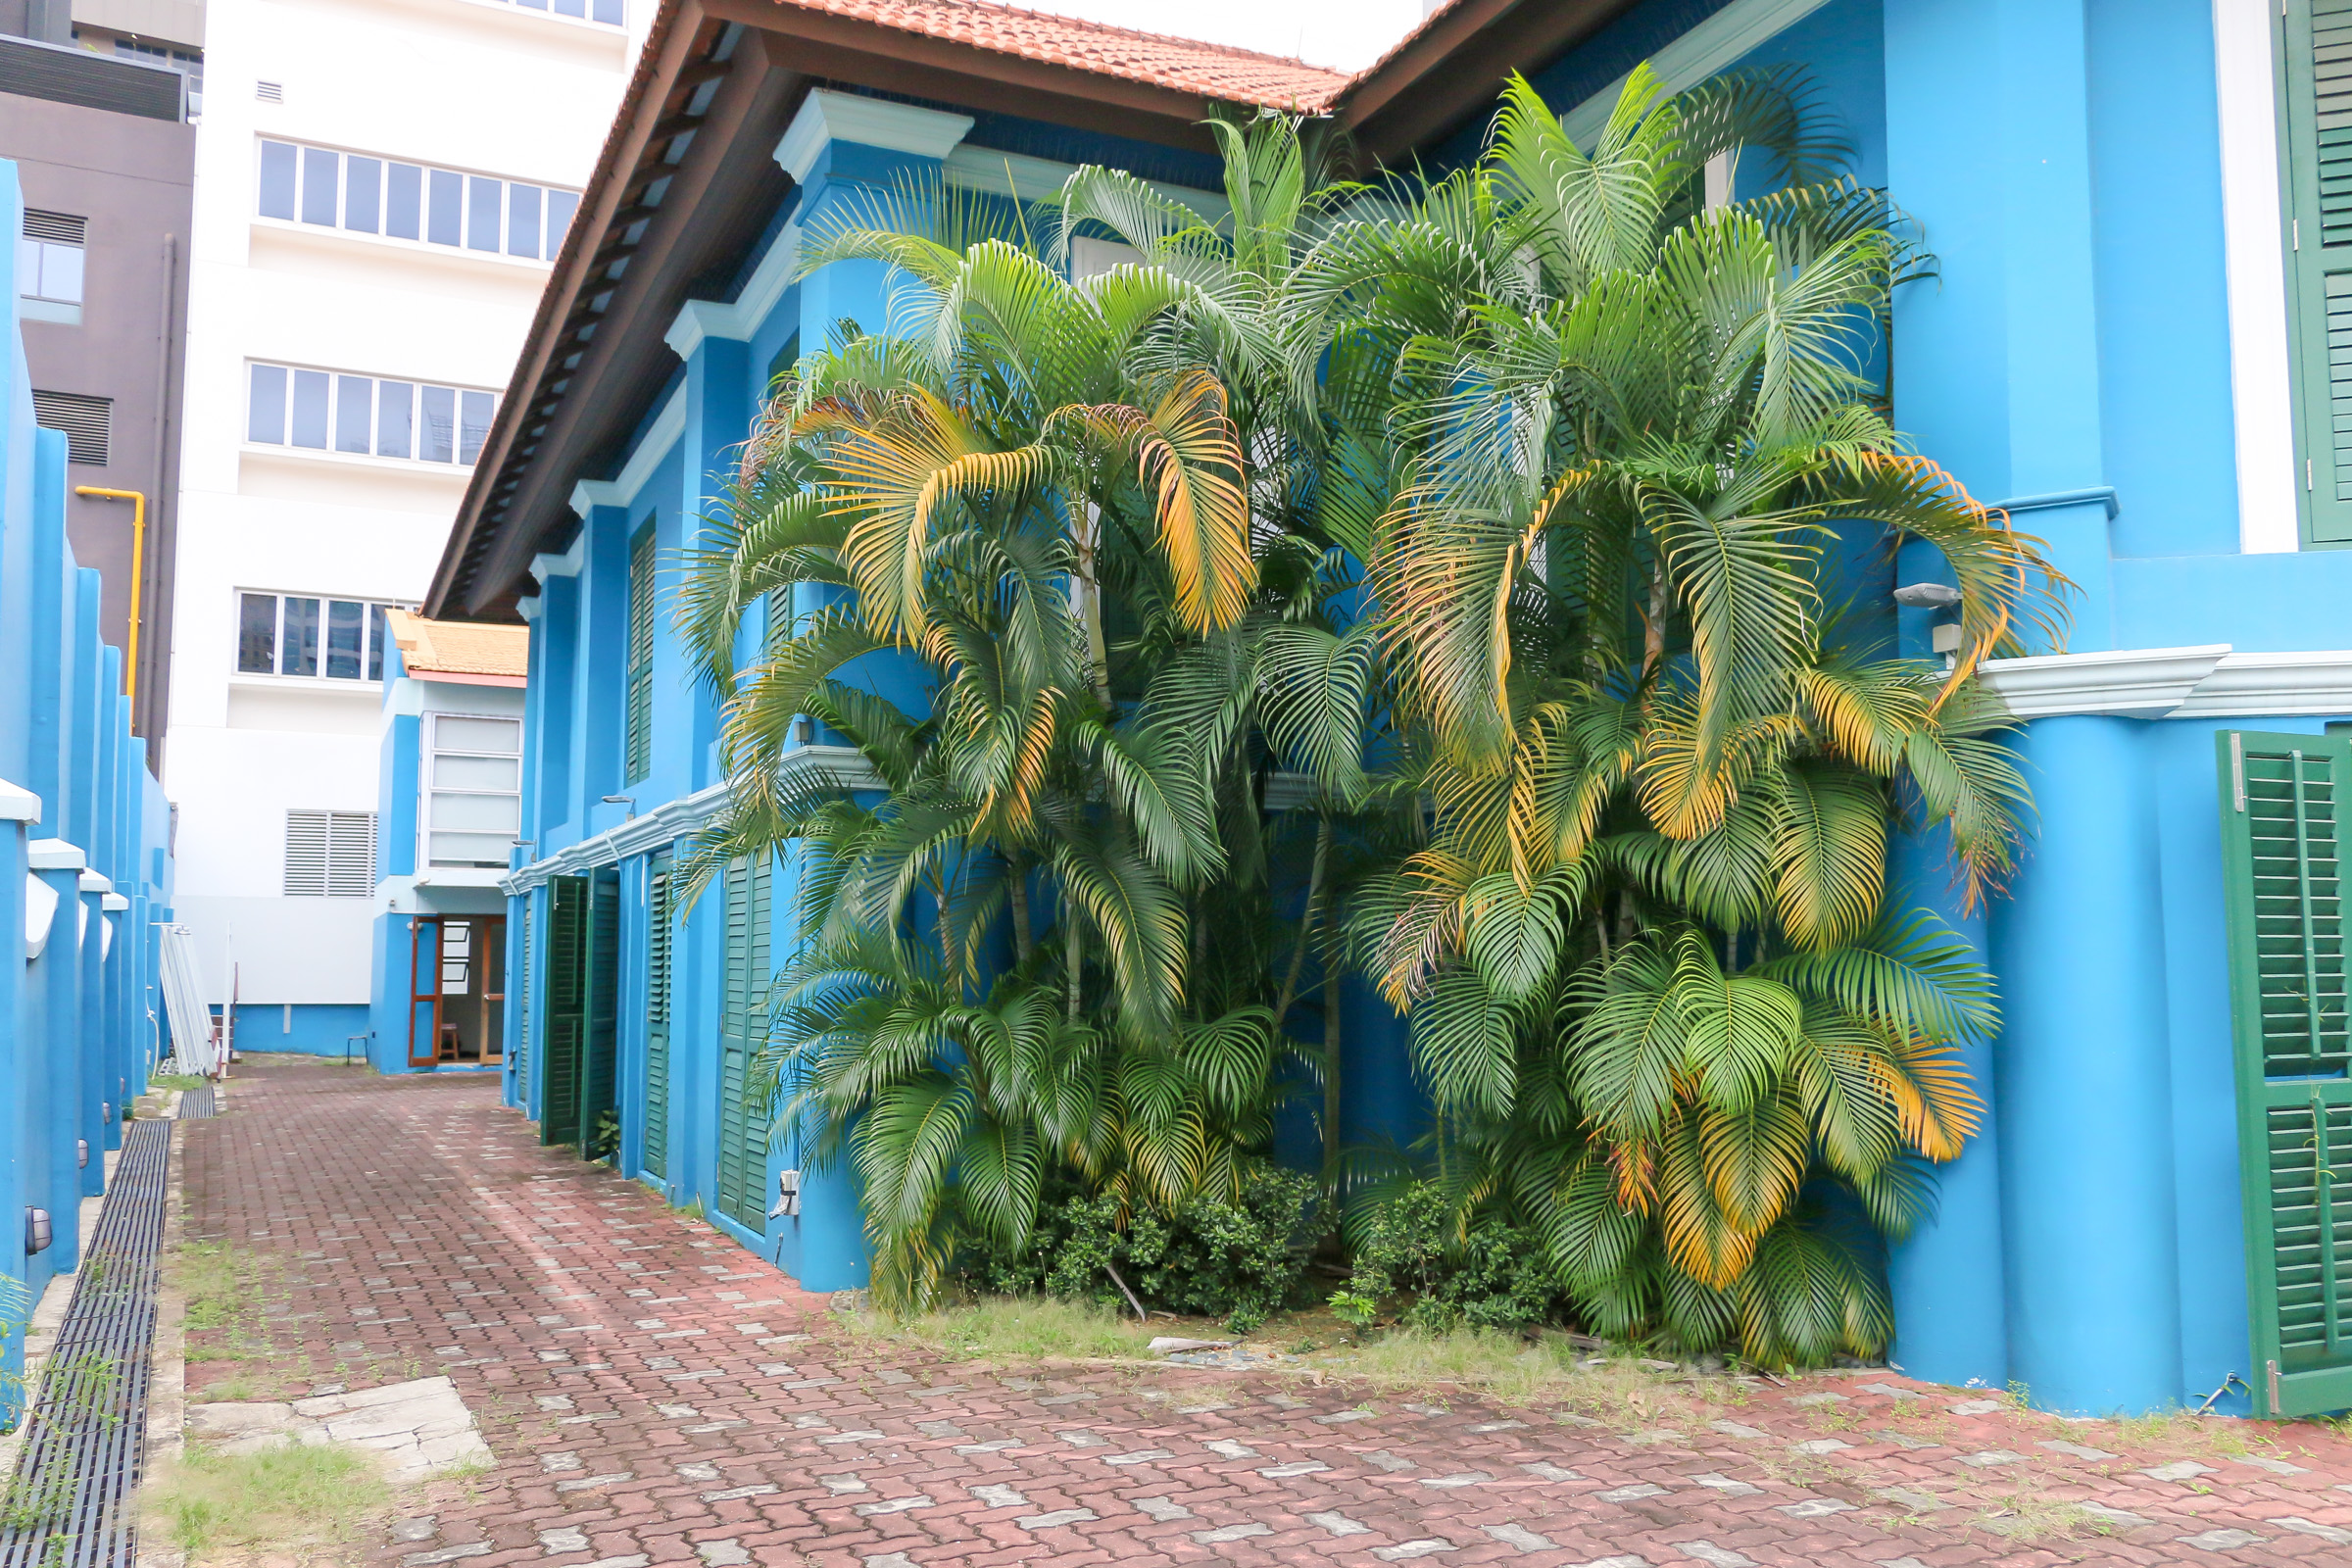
x: 1340, y: 34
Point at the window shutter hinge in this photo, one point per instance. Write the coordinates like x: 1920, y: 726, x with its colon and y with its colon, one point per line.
x: 2274, y: 1371
x: 2307, y: 473
x: 2238, y: 768
x: 2297, y: 225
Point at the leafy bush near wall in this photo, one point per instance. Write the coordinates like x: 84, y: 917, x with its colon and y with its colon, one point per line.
x: 1487, y: 1273
x: 1241, y: 1259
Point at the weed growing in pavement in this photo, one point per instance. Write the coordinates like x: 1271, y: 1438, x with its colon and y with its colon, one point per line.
x: 1010, y: 1329
x: 2030, y: 1516
x: 181, y: 1081
x: 286, y: 1497
x: 228, y: 1292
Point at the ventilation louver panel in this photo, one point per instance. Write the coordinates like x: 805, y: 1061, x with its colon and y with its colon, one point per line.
x: 58, y: 229
x: 330, y: 855
x: 86, y: 420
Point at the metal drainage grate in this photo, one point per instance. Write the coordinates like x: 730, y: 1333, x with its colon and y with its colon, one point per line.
x: 71, y: 1504
x: 197, y: 1102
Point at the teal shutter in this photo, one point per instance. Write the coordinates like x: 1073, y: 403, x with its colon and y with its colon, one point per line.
x: 2315, y: 63
x: 524, y: 959
x: 742, y: 1026
x: 600, y: 1041
x: 566, y: 1007
x: 638, y: 746
x: 656, y: 1018
x: 2282, y: 818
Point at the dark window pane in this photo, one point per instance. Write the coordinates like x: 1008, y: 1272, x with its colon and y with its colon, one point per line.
x: 297, y: 648
x: 310, y: 409
x: 394, y: 410
x: 277, y: 180
x: 439, y: 443
x: 523, y: 220
x: 267, y: 419
x: 561, y: 203
x: 353, y: 394
x: 257, y: 634
x: 473, y: 425
x: 377, y: 633
x: 482, y: 202
x: 318, y: 185
x: 361, y: 177
x: 346, y: 623
x: 608, y: 11
x: 444, y: 207
x: 404, y: 190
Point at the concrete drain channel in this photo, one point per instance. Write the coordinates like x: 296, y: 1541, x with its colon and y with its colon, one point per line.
x: 71, y: 1501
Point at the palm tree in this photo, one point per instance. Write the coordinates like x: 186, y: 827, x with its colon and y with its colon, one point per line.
x: 1655, y: 991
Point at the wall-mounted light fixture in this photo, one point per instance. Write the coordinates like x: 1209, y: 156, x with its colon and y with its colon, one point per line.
x: 37, y: 1234
x: 1927, y: 596
x: 629, y: 801
x: 81, y: 1153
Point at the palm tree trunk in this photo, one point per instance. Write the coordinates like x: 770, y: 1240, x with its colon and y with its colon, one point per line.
x: 1306, y: 923
x: 1331, y: 1080
x: 1017, y: 890
x: 1653, y: 624
x: 1073, y: 954
x: 1085, y: 595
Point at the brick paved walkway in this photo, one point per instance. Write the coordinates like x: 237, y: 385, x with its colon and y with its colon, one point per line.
x: 656, y: 1395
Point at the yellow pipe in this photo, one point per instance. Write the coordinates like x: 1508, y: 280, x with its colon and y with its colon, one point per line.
x: 138, y: 553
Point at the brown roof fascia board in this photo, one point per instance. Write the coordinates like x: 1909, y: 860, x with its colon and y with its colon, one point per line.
x: 680, y: 34
x: 1453, y: 70
x: 722, y: 174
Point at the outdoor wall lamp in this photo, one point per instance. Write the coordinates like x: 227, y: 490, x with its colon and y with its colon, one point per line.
x: 37, y: 1235
x: 803, y: 730
x: 629, y: 801
x: 81, y: 1153
x: 1927, y: 596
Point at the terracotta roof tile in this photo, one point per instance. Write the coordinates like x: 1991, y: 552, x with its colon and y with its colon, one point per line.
x: 459, y: 647
x: 1186, y: 65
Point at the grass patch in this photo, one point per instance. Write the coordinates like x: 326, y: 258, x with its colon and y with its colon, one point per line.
x: 1013, y: 1328
x: 286, y: 1499
x: 228, y: 1289
x: 181, y: 1081
x: 2029, y: 1517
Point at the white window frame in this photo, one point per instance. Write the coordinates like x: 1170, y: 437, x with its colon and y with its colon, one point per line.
x: 338, y: 381
x: 371, y: 626
x: 428, y: 750
x: 549, y: 245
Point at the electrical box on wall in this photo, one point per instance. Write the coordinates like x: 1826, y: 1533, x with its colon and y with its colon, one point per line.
x: 788, y: 1196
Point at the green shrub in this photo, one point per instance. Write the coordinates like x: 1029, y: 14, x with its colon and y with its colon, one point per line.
x: 1241, y: 1260
x: 1485, y: 1274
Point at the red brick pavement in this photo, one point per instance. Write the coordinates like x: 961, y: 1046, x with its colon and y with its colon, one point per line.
x: 656, y: 1395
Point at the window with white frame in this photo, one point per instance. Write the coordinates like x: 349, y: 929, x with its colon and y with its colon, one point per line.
x: 416, y: 202
x: 472, y: 790
x: 50, y: 247
x: 309, y: 634
x: 328, y: 410
x: 608, y: 12
x: 330, y: 855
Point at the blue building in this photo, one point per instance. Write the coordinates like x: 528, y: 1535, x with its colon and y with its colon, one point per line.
x: 2130, y: 345
x: 448, y: 813
x: 86, y: 863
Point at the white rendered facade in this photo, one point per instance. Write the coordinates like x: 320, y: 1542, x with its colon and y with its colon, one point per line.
x: 332, y: 129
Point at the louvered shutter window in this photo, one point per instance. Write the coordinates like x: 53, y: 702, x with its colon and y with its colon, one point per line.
x: 330, y: 855
x: 656, y: 1017
x: 640, y: 676
x: 87, y: 422
x: 2284, y: 806
x: 2316, y: 54
x: 523, y: 1010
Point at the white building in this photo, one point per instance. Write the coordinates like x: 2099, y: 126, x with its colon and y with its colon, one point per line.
x: 380, y: 188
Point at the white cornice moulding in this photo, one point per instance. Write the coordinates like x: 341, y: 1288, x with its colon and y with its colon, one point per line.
x: 1723, y: 38
x: 113, y: 904
x: 2204, y: 682
x: 841, y: 767
x: 96, y: 882
x: 737, y: 321
x: 644, y: 458
x: 829, y: 117
x: 2254, y: 684
x: 566, y: 565
x: 55, y: 854
x: 19, y: 804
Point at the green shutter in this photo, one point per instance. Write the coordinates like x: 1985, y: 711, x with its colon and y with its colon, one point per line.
x: 639, y: 747
x: 742, y: 1026
x: 2282, y: 818
x: 600, y: 1041
x: 2315, y: 64
x: 656, y: 1018
x: 566, y: 1007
